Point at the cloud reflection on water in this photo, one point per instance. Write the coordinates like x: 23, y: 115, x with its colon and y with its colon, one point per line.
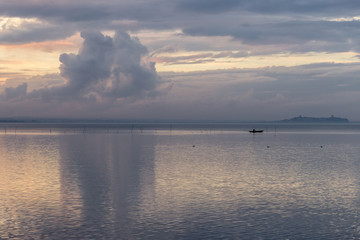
x: 132, y: 186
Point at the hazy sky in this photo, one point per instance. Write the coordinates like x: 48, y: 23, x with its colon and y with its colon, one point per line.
x: 180, y: 59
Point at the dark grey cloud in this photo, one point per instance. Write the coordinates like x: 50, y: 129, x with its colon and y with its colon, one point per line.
x: 62, y: 19
x: 66, y: 10
x: 83, y: 10
x: 303, y: 7
x: 210, y: 6
x: 317, y: 7
x: 279, y: 22
x: 16, y: 92
x: 292, y: 32
x: 33, y: 82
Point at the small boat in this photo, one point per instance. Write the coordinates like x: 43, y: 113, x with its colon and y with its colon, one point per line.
x: 256, y: 131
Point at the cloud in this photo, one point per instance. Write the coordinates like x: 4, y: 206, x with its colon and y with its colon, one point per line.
x: 13, y: 93
x: 319, y: 7
x: 88, y: 68
x: 210, y: 6
x: 105, y: 70
x: 114, y: 75
x: 198, y: 58
x: 67, y: 10
x: 267, y: 93
x: 188, y: 59
x: 130, y: 76
x: 24, y: 30
x: 300, y: 25
x: 34, y: 82
x: 343, y: 35
x: 274, y: 93
x: 84, y: 10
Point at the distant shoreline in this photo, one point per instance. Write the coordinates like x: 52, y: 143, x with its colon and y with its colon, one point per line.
x: 164, y: 122
x: 301, y: 119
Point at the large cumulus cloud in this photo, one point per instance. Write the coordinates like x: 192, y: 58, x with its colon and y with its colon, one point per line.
x: 105, y: 71
x: 106, y: 68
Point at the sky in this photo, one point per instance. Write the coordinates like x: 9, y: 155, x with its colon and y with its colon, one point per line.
x: 212, y: 60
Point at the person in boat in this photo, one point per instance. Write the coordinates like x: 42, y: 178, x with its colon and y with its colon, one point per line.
x: 256, y: 131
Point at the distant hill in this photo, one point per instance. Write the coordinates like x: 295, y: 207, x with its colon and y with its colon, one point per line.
x: 301, y: 119
x: 13, y: 120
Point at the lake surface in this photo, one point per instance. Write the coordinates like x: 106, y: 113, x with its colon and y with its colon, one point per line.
x: 179, y: 181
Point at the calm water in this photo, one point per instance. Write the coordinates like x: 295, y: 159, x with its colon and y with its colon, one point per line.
x: 179, y: 182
